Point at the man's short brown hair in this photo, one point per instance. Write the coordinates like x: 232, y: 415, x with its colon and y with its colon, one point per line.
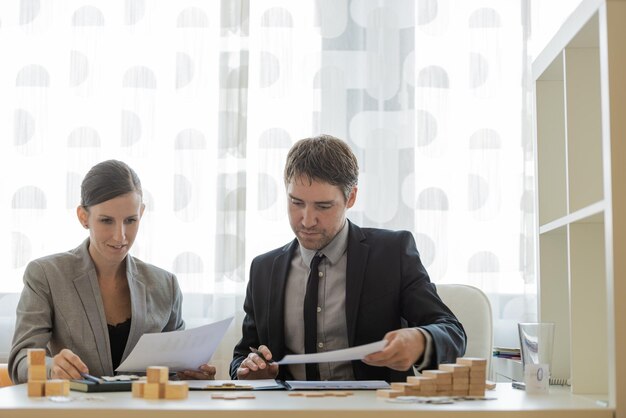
x: 323, y: 158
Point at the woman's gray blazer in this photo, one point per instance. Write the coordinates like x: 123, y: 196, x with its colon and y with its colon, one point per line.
x: 61, y: 307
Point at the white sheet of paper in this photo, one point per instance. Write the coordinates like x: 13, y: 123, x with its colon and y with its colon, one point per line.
x: 178, y: 350
x: 353, y: 353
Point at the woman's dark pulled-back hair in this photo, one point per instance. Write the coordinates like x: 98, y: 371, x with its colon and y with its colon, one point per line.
x: 107, y: 180
x: 323, y: 158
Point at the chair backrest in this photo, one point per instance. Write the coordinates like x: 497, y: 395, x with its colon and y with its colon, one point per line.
x: 5, y: 380
x: 472, y: 308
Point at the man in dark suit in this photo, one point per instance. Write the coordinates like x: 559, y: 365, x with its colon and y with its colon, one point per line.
x: 338, y: 286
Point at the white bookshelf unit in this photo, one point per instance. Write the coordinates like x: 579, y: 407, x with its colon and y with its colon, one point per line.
x: 580, y: 127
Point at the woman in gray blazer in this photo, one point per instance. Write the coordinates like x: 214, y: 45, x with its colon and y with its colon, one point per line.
x: 89, y: 306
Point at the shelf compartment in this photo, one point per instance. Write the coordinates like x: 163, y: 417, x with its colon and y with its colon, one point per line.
x: 554, y: 296
x: 551, y: 143
x: 589, y: 334
x: 584, y: 117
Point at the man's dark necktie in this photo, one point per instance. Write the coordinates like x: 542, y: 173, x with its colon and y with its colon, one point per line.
x: 310, y: 317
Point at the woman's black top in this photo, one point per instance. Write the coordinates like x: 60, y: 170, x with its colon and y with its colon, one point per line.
x: 118, y: 336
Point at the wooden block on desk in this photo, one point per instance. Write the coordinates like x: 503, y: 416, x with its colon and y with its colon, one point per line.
x: 57, y: 387
x: 36, y: 388
x: 246, y: 395
x: 340, y: 394
x: 154, y: 390
x: 441, y: 376
x: 406, y: 388
x: 388, y: 393
x: 422, y: 382
x: 176, y: 390
x: 138, y: 389
x: 479, y: 375
x: 474, y: 362
x: 480, y: 392
x: 157, y: 374
x: 36, y: 357
x: 314, y: 394
x: 460, y: 386
x: 458, y: 370
x: 37, y: 373
x: 232, y: 396
x: 489, y: 385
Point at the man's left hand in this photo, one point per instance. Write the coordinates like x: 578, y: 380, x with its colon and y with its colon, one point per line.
x: 204, y: 372
x: 404, y: 347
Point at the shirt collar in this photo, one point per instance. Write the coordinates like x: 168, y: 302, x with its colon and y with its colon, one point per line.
x: 333, y: 251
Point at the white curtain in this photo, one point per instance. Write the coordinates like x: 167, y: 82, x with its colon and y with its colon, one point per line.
x: 204, y: 98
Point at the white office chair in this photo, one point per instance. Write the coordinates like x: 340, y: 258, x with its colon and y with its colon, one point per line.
x: 472, y: 308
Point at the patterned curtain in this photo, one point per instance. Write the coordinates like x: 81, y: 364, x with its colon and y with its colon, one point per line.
x: 204, y: 99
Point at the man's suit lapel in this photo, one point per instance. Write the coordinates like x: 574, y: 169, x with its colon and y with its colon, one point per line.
x: 355, y: 274
x: 276, y: 299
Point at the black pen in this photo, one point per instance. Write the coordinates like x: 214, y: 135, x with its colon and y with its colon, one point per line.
x: 91, y: 378
x: 258, y: 353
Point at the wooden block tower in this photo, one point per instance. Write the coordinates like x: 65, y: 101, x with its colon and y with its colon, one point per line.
x: 38, y: 383
x: 466, y: 377
x: 477, y: 374
x: 157, y: 386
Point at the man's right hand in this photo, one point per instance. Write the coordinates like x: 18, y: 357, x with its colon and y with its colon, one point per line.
x: 255, y: 367
x: 67, y: 365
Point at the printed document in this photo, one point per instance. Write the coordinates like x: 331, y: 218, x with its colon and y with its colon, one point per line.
x: 178, y: 350
x: 347, y: 354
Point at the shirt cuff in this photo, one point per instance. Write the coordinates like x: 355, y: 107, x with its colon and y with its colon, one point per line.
x: 428, y: 350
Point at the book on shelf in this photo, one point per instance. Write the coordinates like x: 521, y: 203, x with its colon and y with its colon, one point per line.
x: 507, y: 352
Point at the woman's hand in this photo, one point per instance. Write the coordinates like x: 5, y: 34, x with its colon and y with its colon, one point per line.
x: 67, y: 365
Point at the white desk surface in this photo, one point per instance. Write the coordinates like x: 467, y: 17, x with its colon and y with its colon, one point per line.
x: 510, y: 403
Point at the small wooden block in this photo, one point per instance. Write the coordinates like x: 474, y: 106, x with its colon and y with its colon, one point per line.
x: 388, y: 393
x: 138, y: 389
x: 36, y: 357
x: 246, y: 396
x: 442, y: 376
x: 36, y: 388
x: 217, y: 396
x: 340, y: 394
x: 472, y: 361
x: 476, y: 393
x: 157, y: 374
x: 489, y: 385
x: 406, y: 388
x: 154, y: 390
x: 422, y: 382
x: 37, y: 373
x: 456, y: 369
x: 296, y: 394
x: 314, y: 394
x: 57, y: 387
x: 176, y: 390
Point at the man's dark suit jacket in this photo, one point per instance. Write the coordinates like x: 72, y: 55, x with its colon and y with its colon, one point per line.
x: 387, y: 288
